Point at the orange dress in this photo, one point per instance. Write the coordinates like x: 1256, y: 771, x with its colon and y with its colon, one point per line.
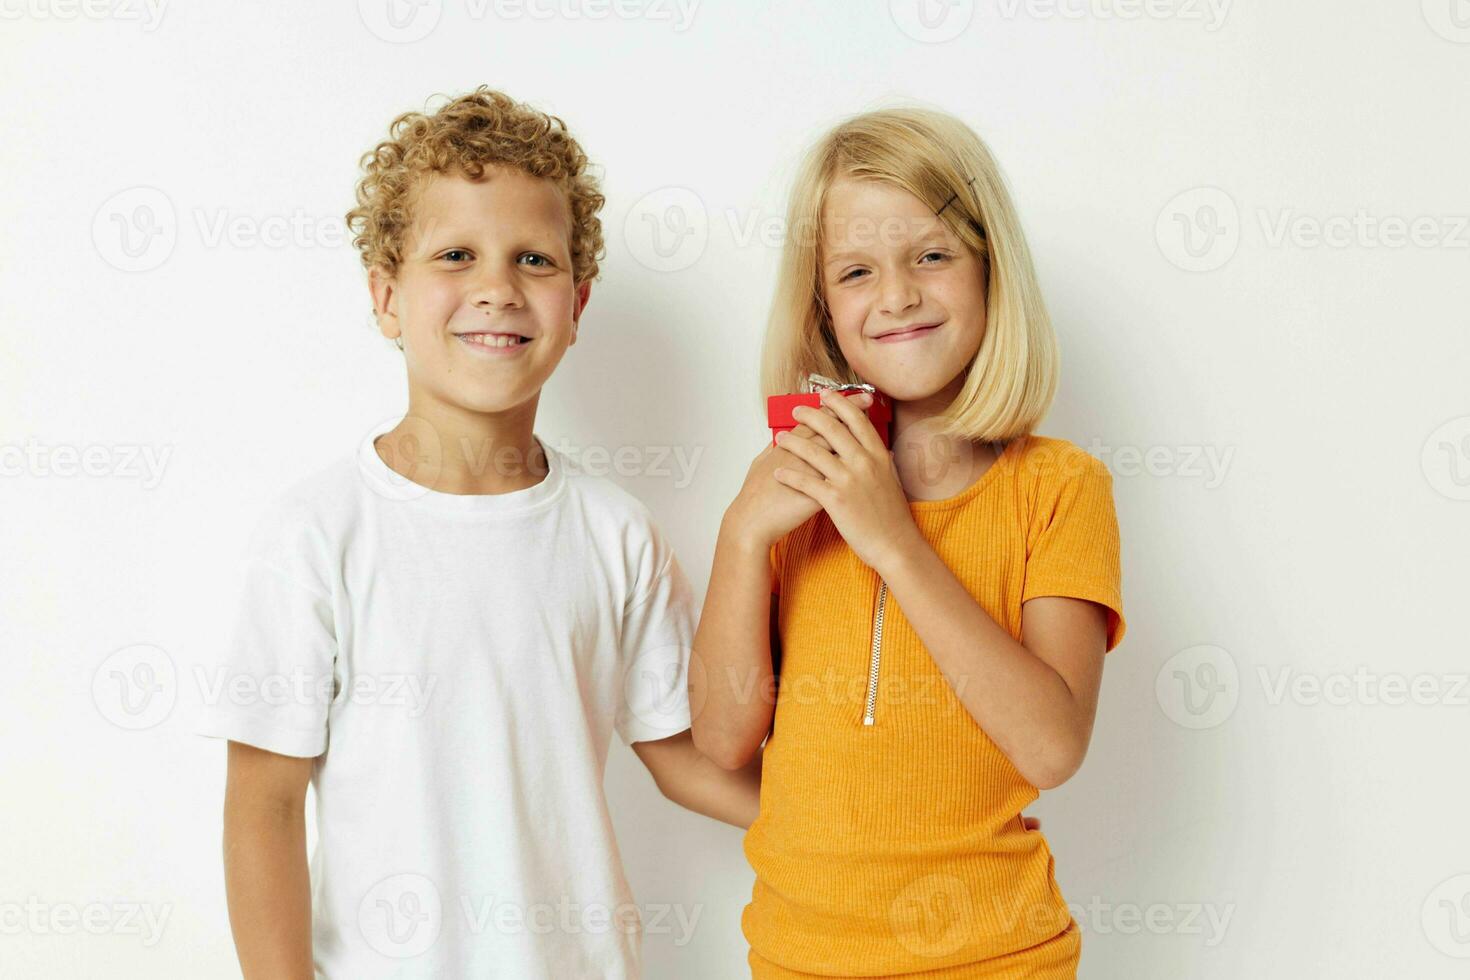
x: 890, y: 840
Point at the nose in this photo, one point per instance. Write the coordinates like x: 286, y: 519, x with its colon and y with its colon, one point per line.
x: 495, y: 289
x: 899, y: 294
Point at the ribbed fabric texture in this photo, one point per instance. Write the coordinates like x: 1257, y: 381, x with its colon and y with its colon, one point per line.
x: 897, y: 848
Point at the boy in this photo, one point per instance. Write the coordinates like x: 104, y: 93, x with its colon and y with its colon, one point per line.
x: 445, y: 628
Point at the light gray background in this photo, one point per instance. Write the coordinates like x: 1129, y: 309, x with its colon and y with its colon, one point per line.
x: 1250, y: 224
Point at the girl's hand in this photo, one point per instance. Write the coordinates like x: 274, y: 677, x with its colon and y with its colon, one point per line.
x: 855, y: 479
x: 764, y: 510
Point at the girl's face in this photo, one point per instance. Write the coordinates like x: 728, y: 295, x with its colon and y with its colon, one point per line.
x: 906, y: 297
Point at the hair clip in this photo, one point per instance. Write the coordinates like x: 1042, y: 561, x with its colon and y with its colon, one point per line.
x: 973, y: 223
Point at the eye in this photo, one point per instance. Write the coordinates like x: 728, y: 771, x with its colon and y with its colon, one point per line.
x: 941, y: 256
x: 540, y: 261
x: 463, y: 254
x: 850, y: 274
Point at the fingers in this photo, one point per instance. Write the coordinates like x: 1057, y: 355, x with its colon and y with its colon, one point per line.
x: 808, y: 483
x: 855, y: 418
x: 785, y: 457
x: 805, y: 430
x: 808, y: 452
x: 829, y: 425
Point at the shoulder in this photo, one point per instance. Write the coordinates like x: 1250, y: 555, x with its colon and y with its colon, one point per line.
x: 1045, y: 463
x: 616, y: 518
x: 1060, y: 483
x: 633, y: 551
x: 309, y: 515
x: 609, y: 504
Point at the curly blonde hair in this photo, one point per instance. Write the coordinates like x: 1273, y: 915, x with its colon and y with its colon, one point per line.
x: 480, y: 129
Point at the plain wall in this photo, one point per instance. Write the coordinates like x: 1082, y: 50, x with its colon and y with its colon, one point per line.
x: 1249, y: 220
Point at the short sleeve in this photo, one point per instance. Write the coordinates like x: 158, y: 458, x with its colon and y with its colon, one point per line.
x: 274, y: 682
x: 656, y: 641
x: 1072, y: 543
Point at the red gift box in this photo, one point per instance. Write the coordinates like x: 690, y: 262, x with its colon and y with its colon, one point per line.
x: 778, y: 407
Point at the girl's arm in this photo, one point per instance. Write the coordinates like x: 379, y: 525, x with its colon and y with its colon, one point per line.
x: 1036, y: 699
x: 731, y: 677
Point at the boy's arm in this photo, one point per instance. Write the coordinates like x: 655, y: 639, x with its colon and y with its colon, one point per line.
x: 684, y: 775
x: 267, y: 883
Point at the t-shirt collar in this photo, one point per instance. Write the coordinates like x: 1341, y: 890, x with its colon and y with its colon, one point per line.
x: 387, y: 483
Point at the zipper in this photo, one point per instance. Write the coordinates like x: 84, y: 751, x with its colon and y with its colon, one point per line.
x: 876, y: 654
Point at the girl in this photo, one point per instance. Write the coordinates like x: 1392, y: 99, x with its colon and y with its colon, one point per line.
x: 934, y: 618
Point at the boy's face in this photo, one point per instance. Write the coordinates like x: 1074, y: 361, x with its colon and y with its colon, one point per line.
x: 906, y: 297
x: 486, y: 263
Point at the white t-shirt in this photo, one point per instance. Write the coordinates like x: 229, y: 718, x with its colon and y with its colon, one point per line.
x: 456, y: 665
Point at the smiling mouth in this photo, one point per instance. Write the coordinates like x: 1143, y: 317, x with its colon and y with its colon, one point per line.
x: 907, y: 333
x: 494, y: 340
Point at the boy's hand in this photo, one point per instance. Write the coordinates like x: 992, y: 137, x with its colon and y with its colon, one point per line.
x: 851, y: 475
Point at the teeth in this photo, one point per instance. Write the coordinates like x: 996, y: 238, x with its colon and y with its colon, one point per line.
x: 492, y: 340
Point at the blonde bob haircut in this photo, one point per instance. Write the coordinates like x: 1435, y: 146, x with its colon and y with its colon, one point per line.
x: 1010, y: 383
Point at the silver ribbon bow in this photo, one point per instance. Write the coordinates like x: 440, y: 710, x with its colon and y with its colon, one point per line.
x: 818, y: 382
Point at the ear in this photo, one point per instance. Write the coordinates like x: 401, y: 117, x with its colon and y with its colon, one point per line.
x: 584, y: 293
x: 384, y: 290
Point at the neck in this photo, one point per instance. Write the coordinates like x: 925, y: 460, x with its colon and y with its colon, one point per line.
x: 908, y: 415
x: 931, y: 465
x: 453, y: 449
